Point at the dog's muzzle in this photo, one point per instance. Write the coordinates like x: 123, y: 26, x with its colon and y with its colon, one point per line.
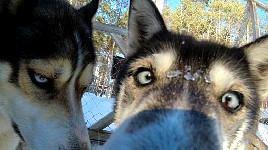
x: 167, y: 129
x: 17, y: 130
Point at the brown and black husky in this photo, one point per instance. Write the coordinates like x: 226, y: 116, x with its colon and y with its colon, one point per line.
x: 46, y: 61
x: 177, y: 93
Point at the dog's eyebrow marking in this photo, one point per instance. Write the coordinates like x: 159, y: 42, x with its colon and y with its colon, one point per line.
x: 86, y: 76
x: 221, y: 76
x: 5, y: 70
x: 57, y: 68
x: 164, y: 60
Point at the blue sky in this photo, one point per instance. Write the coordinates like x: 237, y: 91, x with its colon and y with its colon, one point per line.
x: 175, y: 3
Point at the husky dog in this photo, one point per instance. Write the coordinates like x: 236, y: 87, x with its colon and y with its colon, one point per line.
x: 175, y: 92
x: 46, y: 62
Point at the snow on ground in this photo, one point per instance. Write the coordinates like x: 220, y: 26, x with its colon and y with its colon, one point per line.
x: 95, y: 108
x: 262, y: 128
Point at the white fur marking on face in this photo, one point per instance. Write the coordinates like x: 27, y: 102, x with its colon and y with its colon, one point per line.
x: 240, y: 134
x: 5, y: 70
x: 164, y: 60
x: 72, y: 91
x: 221, y: 76
x: 43, y: 126
x: 5, y: 86
x: 86, y: 77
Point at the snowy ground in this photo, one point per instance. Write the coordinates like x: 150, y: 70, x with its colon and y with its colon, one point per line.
x: 95, y: 108
x: 263, y: 129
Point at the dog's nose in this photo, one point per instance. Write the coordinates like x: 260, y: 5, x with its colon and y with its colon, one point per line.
x: 76, y: 143
x: 167, y: 129
x: 76, y: 146
x: 80, y: 139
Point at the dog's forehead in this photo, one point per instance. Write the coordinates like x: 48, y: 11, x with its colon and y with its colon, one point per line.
x: 164, y: 60
x: 173, y: 49
x: 178, y: 54
x: 186, y: 48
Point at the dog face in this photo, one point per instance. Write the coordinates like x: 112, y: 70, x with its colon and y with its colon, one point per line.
x: 45, y: 65
x: 175, y: 92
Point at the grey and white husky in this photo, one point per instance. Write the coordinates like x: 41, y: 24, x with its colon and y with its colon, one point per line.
x: 46, y: 61
x: 177, y: 93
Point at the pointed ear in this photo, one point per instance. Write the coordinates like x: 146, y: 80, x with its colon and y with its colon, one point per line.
x: 89, y: 10
x: 257, y: 54
x: 144, y: 21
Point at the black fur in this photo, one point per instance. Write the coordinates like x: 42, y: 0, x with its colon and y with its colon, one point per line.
x: 48, y: 30
x: 44, y: 29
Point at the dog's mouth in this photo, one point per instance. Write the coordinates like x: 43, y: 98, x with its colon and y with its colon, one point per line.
x: 17, y: 130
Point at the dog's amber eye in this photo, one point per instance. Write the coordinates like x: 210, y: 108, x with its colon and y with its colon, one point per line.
x: 144, y: 76
x: 232, y: 101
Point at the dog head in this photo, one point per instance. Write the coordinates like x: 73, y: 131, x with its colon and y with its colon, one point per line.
x: 175, y: 92
x: 47, y: 60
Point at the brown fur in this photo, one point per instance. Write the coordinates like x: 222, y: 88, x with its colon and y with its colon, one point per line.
x: 156, y: 111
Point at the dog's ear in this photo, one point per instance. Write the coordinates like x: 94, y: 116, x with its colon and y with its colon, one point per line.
x: 257, y: 54
x: 89, y: 10
x: 144, y: 21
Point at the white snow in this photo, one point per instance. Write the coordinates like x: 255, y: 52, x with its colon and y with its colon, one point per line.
x: 94, y: 108
x: 262, y: 128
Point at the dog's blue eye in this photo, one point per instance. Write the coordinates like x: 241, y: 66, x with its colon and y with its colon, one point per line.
x: 39, y: 78
x: 232, y: 101
x: 144, y: 77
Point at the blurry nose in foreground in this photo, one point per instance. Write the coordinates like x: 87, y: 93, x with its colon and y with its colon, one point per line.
x: 167, y: 129
x: 78, y: 145
x: 80, y: 140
